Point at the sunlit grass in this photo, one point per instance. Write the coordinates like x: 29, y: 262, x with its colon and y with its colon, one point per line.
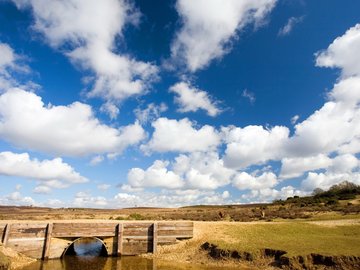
x: 296, y: 238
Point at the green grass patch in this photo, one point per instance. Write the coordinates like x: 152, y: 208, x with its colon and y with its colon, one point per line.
x: 296, y: 238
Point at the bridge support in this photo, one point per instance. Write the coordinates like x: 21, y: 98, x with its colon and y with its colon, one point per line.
x: 43, y: 241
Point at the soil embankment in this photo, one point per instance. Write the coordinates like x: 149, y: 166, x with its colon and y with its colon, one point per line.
x: 10, y: 259
x: 279, y: 258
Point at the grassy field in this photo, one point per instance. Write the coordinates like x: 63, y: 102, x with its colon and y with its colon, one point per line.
x: 296, y: 238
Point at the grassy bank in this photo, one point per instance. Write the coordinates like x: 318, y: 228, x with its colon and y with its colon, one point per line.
x: 296, y: 238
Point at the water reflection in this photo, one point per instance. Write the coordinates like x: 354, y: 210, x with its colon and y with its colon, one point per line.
x: 94, y: 263
x: 89, y: 246
x: 124, y: 263
x: 89, y: 254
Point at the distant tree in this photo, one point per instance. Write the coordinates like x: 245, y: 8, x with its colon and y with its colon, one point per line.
x: 317, y: 191
x: 345, y: 185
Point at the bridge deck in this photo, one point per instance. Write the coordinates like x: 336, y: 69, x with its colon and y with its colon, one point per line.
x: 50, y: 240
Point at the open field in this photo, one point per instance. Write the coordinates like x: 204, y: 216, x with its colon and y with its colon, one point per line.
x: 291, y: 234
x: 253, y: 212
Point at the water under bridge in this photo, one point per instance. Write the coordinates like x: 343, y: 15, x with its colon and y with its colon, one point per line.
x: 53, y: 240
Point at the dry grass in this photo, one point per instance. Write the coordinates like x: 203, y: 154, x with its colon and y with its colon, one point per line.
x: 340, y: 237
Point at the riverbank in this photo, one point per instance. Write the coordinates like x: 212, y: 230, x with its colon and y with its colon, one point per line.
x: 10, y: 259
x: 271, y: 245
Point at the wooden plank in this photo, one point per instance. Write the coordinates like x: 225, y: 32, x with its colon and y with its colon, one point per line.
x: 175, y: 224
x: 84, y: 229
x: 120, y: 234
x: 177, y: 232
x: 6, y: 234
x: 136, y: 248
x: 28, y: 230
x: 155, y: 237
x: 47, y: 241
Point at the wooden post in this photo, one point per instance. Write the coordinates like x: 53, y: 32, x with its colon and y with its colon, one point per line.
x: 119, y: 239
x: 6, y: 234
x: 48, y: 234
x: 155, y: 237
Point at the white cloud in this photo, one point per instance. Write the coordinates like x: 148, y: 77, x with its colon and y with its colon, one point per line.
x: 205, y: 171
x: 10, y: 63
x: 192, y: 99
x: 181, y: 136
x: 328, y: 179
x: 196, y: 171
x: 50, y: 173
x: 294, y: 119
x: 111, y: 109
x: 7, y: 57
x: 343, y: 53
x: 289, y: 26
x: 295, y: 167
x: 42, y: 189
x: 270, y: 194
x: 210, y: 25
x: 344, y: 164
x: 62, y: 130
x: 84, y: 199
x: 150, y: 113
x: 16, y: 198
x: 253, y: 145
x: 245, y: 181
x: 96, y: 160
x: 157, y: 175
x: 334, y: 127
x: 85, y: 30
x: 103, y: 187
x: 249, y: 95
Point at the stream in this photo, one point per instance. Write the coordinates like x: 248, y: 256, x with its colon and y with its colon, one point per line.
x: 88, y: 257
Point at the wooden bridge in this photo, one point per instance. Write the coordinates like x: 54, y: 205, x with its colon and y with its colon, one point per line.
x: 52, y: 240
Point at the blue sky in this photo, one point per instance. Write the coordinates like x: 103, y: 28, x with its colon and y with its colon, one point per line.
x: 167, y: 103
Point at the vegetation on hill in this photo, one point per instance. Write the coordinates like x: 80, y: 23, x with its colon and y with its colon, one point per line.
x: 340, y: 192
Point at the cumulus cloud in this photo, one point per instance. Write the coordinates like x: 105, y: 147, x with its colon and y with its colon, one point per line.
x: 85, y: 31
x: 289, y: 26
x: 295, y: 167
x: 245, y: 181
x: 49, y: 173
x: 42, y: 189
x: 181, y: 136
x: 253, y: 145
x: 69, y: 130
x: 195, y: 171
x: 205, y: 171
x: 157, y: 175
x: 334, y: 127
x: 270, y: 194
x: 328, y: 179
x: 343, y: 53
x: 150, y: 113
x: 210, y: 25
x: 16, y: 198
x: 192, y: 99
x: 84, y: 199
